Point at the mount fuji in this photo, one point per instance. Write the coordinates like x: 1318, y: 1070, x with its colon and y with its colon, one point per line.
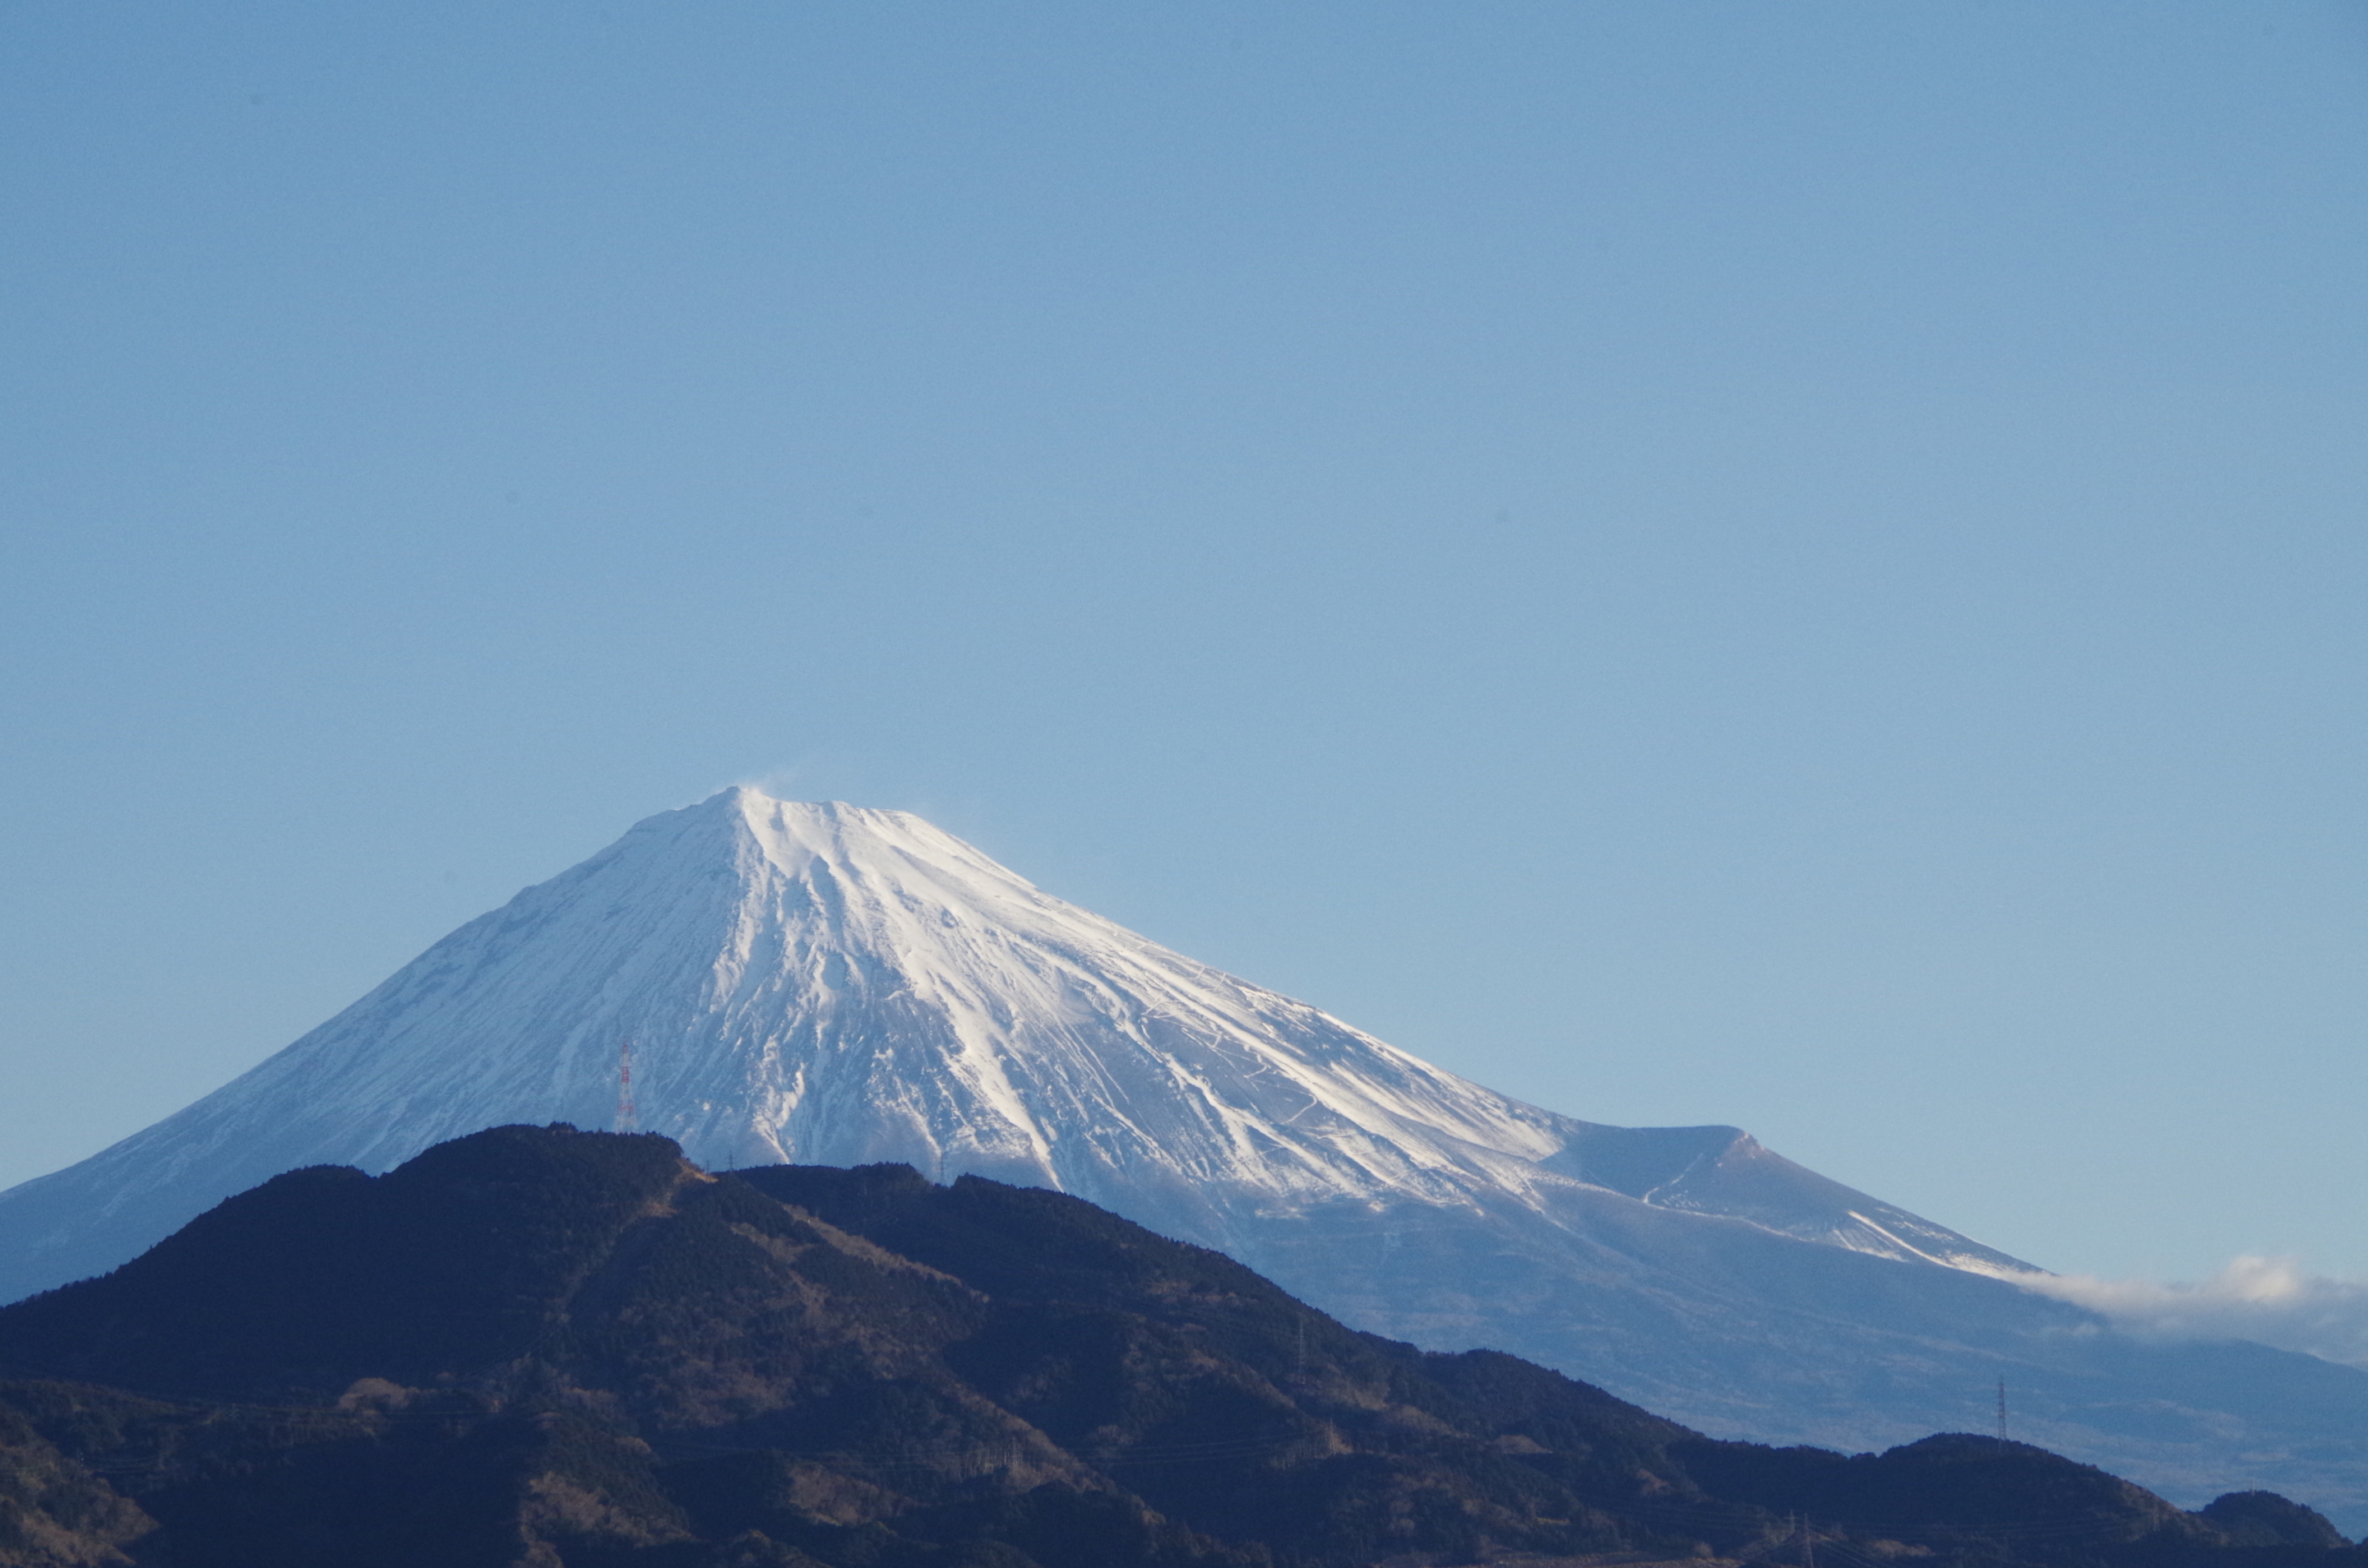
x: 828, y: 985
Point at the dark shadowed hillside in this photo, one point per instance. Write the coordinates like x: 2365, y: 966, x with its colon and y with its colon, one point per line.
x: 550, y: 1347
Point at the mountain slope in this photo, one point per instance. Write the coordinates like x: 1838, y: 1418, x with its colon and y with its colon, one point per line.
x: 826, y: 985
x: 575, y: 1350
x: 831, y: 985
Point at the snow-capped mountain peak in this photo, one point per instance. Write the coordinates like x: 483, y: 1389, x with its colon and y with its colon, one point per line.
x: 829, y: 983
x: 825, y: 984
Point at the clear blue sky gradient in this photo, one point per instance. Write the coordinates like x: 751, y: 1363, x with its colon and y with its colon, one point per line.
x: 1795, y: 565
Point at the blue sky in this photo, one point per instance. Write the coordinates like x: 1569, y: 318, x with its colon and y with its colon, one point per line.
x: 1796, y: 564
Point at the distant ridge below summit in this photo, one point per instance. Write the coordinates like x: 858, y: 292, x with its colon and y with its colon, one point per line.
x: 828, y: 984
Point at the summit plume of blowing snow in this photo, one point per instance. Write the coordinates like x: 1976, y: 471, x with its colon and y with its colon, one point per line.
x: 825, y: 984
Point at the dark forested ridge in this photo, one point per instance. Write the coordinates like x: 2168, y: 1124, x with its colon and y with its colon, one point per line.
x: 551, y: 1347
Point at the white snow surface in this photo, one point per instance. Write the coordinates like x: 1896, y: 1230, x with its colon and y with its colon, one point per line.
x: 828, y: 985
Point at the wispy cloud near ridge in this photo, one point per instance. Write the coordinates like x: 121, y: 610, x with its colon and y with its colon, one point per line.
x: 2270, y: 1300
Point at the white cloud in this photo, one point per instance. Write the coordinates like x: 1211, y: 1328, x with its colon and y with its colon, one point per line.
x: 2265, y: 1299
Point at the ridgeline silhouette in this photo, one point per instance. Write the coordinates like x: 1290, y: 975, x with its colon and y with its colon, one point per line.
x: 536, y: 1346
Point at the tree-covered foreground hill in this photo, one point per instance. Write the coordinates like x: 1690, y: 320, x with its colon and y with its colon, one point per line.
x: 536, y: 1346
